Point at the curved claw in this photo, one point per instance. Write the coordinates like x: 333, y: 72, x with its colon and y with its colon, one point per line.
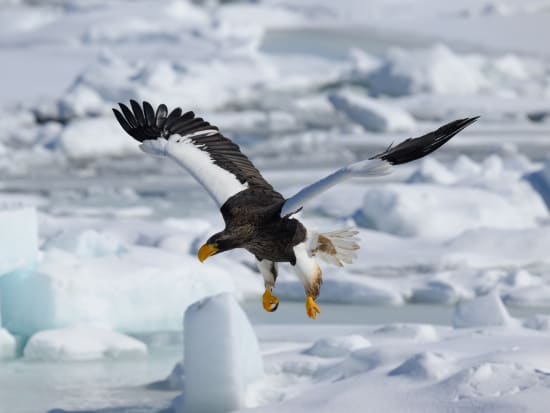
x: 270, y: 302
x: 312, y: 309
x: 273, y: 309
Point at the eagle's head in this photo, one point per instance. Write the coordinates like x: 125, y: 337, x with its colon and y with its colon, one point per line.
x: 220, y: 242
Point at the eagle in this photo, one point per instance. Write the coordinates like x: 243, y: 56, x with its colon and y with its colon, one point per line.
x: 257, y: 217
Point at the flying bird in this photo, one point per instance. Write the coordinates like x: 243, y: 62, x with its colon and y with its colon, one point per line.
x: 257, y: 217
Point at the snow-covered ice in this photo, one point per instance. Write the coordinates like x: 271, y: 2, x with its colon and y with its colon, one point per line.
x: 93, y: 138
x: 436, y: 70
x: 221, y: 356
x: 130, y: 289
x: 81, y: 343
x: 435, y: 211
x: 487, y: 310
x: 337, y: 346
x: 370, y: 113
x: 498, y: 368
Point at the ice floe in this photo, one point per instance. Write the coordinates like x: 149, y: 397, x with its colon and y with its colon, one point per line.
x: 80, y: 343
x: 370, y: 113
x: 18, y: 237
x: 487, y: 310
x: 221, y: 356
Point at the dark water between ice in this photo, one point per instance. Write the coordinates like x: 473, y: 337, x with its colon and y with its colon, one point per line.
x: 294, y: 313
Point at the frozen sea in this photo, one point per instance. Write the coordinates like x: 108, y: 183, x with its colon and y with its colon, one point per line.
x: 98, y: 240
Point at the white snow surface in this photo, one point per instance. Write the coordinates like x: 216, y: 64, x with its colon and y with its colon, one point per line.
x: 92, y: 138
x: 221, y: 356
x: 436, y: 211
x: 437, y: 70
x: 82, y: 343
x: 337, y: 346
x: 482, y: 311
x: 490, y: 368
x: 370, y: 113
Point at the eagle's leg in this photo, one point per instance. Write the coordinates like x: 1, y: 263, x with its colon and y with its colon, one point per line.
x: 308, y: 271
x: 269, y: 272
x: 312, y: 309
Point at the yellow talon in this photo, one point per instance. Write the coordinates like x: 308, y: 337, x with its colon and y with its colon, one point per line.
x: 269, y: 301
x: 312, y: 309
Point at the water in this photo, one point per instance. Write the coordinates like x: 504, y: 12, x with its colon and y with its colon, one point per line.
x: 294, y: 313
x: 117, y: 386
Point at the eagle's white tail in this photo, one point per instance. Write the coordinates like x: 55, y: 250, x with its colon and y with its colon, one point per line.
x: 336, y: 247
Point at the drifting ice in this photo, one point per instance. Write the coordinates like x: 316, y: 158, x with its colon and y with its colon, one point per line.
x: 82, y: 343
x: 487, y: 310
x: 370, y: 113
x: 119, y: 288
x: 221, y: 356
x: 18, y: 237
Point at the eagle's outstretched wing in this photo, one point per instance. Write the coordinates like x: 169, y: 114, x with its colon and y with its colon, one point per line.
x: 212, y: 159
x: 380, y: 164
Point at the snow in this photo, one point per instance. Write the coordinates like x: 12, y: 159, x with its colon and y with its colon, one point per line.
x: 221, y: 355
x: 82, y: 343
x: 18, y: 237
x: 91, y: 138
x: 88, y: 243
x: 434, y: 211
x: 437, y: 70
x: 370, y: 113
x: 424, y: 365
x: 538, y: 322
x: 482, y: 311
x: 338, y: 346
x: 493, y: 368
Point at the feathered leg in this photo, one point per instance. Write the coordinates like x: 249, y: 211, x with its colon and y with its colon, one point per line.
x: 309, y: 273
x: 269, y: 272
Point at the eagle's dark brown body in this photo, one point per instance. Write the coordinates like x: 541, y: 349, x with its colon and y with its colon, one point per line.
x: 253, y: 218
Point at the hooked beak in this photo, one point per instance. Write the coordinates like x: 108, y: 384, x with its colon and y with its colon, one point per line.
x: 207, y: 250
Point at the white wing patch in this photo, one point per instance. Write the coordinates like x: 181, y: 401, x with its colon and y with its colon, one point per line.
x: 375, y: 167
x: 219, y: 183
x: 213, y: 160
x: 155, y: 147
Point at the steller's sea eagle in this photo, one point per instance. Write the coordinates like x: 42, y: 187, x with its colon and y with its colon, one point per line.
x: 258, y: 218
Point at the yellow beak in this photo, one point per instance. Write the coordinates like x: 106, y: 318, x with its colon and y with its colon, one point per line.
x: 207, y: 250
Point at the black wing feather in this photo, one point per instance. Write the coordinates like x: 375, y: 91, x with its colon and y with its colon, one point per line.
x: 415, y: 148
x: 122, y: 120
x: 143, y: 123
x: 149, y: 113
x: 138, y: 113
x: 162, y: 113
x: 128, y: 115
